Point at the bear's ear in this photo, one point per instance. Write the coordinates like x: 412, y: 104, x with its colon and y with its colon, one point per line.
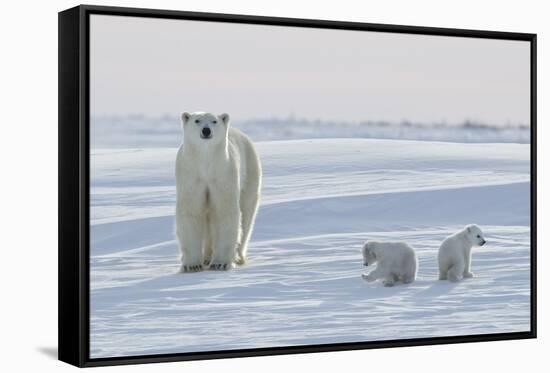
x: 225, y: 118
x: 469, y: 228
x: 185, y: 117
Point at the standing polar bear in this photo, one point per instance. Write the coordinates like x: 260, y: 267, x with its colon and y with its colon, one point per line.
x: 455, y: 253
x: 218, y: 182
x: 396, y: 261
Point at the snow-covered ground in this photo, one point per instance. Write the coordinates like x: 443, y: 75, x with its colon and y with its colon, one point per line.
x: 321, y: 200
x: 138, y: 131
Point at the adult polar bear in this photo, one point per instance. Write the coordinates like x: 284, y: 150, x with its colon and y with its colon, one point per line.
x: 218, y: 182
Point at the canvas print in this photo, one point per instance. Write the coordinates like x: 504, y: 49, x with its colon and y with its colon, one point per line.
x: 257, y: 186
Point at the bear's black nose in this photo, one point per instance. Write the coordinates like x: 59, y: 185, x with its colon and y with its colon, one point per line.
x: 206, y: 132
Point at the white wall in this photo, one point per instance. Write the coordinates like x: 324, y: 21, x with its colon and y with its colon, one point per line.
x: 28, y: 146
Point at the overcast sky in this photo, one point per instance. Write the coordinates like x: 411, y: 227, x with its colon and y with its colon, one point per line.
x: 159, y: 66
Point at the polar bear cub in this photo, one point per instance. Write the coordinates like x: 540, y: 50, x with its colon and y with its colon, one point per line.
x: 218, y: 182
x: 396, y: 261
x: 455, y: 253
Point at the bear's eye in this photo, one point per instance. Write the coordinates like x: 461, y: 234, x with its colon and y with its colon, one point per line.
x: 197, y: 121
x: 478, y: 236
x: 215, y: 122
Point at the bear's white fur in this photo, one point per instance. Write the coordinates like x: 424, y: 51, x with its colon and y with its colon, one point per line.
x: 455, y: 253
x: 218, y: 182
x: 396, y: 261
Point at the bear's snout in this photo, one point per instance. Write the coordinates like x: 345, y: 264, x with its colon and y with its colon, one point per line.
x: 206, y: 133
x: 483, y: 242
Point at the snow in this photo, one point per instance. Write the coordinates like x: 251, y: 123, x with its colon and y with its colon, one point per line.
x: 322, y: 198
x: 141, y: 131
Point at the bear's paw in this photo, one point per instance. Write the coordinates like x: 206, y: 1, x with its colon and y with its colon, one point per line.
x: 221, y: 266
x: 191, y: 268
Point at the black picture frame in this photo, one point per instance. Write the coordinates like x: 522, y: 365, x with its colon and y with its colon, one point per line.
x: 74, y: 167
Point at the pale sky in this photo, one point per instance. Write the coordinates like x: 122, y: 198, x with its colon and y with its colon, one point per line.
x: 159, y: 66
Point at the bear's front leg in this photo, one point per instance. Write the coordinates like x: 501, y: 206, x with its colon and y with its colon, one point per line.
x: 189, y: 230
x: 373, y: 275
x: 389, y: 280
x: 227, y: 229
x: 467, y: 264
x: 208, y: 241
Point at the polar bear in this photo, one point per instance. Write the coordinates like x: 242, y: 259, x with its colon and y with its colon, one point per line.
x: 396, y: 261
x: 455, y: 253
x: 218, y: 182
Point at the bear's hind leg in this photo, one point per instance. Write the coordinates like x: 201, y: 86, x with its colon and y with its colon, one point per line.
x: 249, y: 206
x: 443, y: 269
x: 455, y: 272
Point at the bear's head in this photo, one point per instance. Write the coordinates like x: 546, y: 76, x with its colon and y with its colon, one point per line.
x: 475, y: 235
x: 369, y: 257
x: 205, y: 128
